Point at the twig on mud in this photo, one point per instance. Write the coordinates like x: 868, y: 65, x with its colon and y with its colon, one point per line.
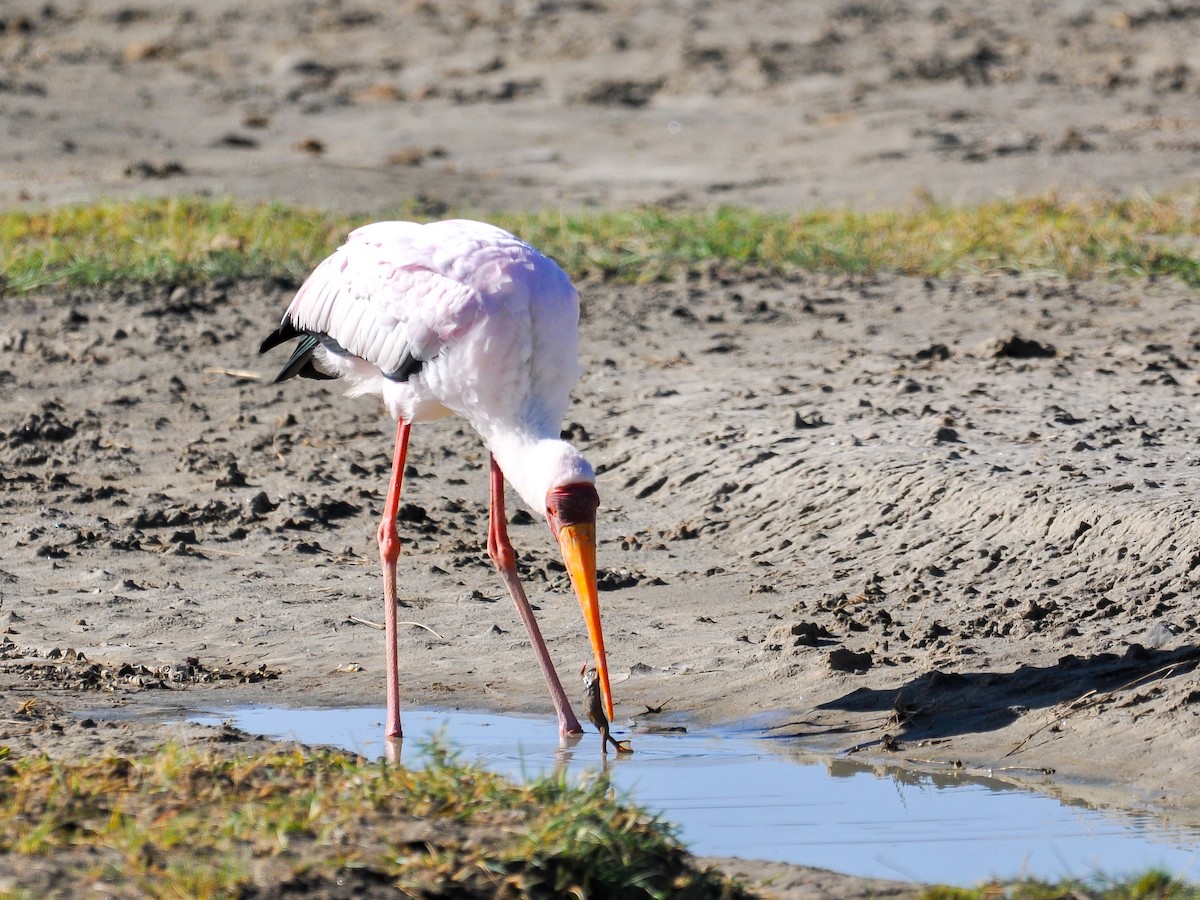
x: 357, y: 621
x: 244, y: 374
x: 1037, y: 770
x: 956, y: 764
x: 427, y: 628
x: 1097, y: 698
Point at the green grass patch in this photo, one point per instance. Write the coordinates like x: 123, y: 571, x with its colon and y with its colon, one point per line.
x: 192, y: 823
x: 191, y: 239
x: 186, y: 823
x: 1152, y: 885
x: 160, y: 241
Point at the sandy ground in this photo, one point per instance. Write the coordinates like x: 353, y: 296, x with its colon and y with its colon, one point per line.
x: 517, y: 103
x: 944, y: 522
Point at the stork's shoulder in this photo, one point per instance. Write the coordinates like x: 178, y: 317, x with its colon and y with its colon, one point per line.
x: 441, y: 247
x: 429, y: 281
x: 394, y: 268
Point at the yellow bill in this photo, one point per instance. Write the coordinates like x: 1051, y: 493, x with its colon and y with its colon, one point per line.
x: 578, y: 545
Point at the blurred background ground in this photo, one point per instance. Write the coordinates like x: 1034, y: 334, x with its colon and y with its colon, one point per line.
x: 516, y: 104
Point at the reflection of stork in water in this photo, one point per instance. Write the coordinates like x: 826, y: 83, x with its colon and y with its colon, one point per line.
x: 462, y: 317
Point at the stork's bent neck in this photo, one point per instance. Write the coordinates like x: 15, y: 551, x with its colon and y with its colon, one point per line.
x: 533, y: 465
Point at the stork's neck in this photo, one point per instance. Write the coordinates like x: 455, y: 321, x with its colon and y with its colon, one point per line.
x: 534, y: 464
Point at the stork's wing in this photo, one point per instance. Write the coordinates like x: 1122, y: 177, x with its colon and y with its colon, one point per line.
x: 391, y: 295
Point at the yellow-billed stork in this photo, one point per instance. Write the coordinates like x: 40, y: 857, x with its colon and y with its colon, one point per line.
x: 461, y: 317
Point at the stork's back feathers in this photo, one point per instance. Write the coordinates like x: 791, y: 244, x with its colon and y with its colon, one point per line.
x: 455, y: 316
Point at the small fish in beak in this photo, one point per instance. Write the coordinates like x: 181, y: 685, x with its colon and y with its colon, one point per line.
x: 593, y: 704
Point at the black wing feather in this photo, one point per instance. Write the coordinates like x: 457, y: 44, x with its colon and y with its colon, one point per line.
x: 284, y: 333
x: 301, y: 361
x: 409, y: 366
x: 301, y: 364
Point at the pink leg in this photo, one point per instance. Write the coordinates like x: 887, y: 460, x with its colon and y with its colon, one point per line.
x: 389, y: 552
x: 500, y: 549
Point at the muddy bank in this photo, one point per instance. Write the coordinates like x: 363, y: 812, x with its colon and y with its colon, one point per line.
x: 957, y: 514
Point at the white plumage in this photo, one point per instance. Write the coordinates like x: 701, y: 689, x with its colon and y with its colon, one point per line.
x: 461, y: 317
x: 493, y: 323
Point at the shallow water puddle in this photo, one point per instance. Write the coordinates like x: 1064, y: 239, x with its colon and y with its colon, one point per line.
x: 734, y: 794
